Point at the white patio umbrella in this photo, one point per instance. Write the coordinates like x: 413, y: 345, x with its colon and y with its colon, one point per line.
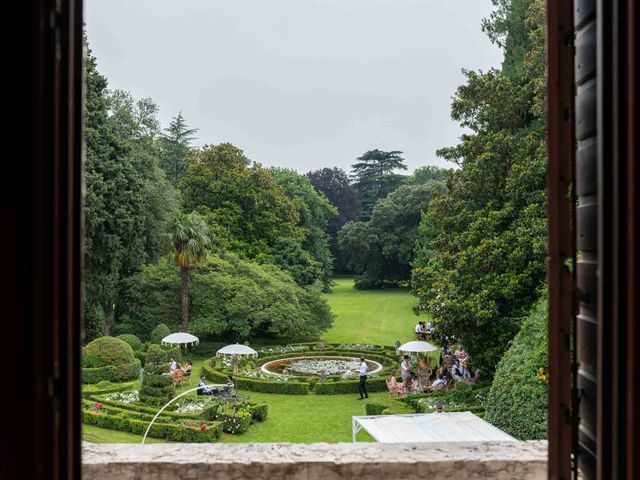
x: 417, y: 347
x: 235, y: 351
x: 180, y: 338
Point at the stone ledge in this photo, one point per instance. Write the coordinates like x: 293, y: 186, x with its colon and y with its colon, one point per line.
x: 271, y: 461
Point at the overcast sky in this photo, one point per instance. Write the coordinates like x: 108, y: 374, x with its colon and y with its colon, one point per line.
x: 298, y: 83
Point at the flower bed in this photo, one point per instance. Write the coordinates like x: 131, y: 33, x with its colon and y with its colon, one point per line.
x: 253, y: 379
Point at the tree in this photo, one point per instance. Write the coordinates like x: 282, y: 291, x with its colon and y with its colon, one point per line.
x: 481, y: 254
x: 314, y: 212
x: 334, y: 183
x: 380, y: 250
x: 231, y: 299
x: 246, y: 210
x: 176, y: 141
x: 189, y: 235
x: 374, y: 178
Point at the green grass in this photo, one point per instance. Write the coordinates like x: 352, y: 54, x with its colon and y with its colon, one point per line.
x: 362, y: 316
x: 370, y: 316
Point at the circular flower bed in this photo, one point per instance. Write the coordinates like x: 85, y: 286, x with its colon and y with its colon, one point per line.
x: 299, y: 369
x: 319, y: 366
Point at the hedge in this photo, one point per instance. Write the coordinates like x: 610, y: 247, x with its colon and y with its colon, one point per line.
x: 255, y: 384
x: 148, y: 410
x: 170, y: 431
x: 134, y: 342
x: 303, y: 384
x: 374, y: 408
x: 107, y: 351
x: 376, y: 384
x: 258, y: 411
x: 112, y: 373
x: 158, y: 333
x: 236, y: 423
x: 517, y: 401
x: 104, y: 386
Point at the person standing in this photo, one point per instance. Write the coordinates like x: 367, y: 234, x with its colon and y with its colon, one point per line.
x: 362, y: 388
x: 405, y: 368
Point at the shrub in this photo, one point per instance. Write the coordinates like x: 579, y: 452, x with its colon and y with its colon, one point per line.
x: 156, y: 354
x: 188, y: 432
x: 156, y: 389
x: 133, y: 341
x: 236, y: 423
x: 257, y: 385
x: 376, y: 384
x: 158, y: 333
x: 112, y: 373
x: 258, y: 411
x: 374, y: 408
x: 517, y: 401
x: 103, y: 387
x: 107, y: 351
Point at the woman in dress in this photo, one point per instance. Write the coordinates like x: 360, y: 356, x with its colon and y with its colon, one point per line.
x: 393, y: 384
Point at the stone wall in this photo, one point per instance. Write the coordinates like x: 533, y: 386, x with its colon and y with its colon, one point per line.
x: 342, y: 461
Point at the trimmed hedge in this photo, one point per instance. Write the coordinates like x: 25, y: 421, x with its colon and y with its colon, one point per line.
x: 375, y: 408
x: 158, y: 333
x: 301, y: 385
x: 107, y: 351
x: 134, y: 342
x: 375, y: 384
x: 112, y: 373
x: 256, y: 384
x: 104, y: 387
x: 236, y: 423
x: 258, y: 411
x: 517, y: 401
x: 170, y: 431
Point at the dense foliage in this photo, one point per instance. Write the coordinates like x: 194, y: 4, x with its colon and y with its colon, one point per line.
x: 335, y: 185
x: 314, y: 212
x: 247, y: 211
x: 481, y: 258
x: 128, y: 199
x: 230, y: 298
x: 380, y: 250
x: 517, y: 401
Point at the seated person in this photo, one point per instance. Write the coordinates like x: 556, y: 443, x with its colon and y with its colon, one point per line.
x: 429, y: 328
x: 204, y: 389
x: 457, y: 372
x: 411, y: 386
x: 229, y: 381
x: 187, y: 369
x: 418, y: 330
x: 393, y: 384
x: 470, y: 376
x: 172, y: 365
x: 460, y: 354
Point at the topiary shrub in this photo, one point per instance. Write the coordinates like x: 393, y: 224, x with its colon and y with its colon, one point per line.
x: 158, y: 333
x: 157, y: 387
x: 133, y: 341
x: 107, y: 351
x: 517, y: 401
x: 375, y: 408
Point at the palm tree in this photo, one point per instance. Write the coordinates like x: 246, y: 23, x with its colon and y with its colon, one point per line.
x: 189, y: 235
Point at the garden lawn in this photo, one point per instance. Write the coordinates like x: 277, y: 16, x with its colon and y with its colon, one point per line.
x: 362, y: 316
x: 370, y: 316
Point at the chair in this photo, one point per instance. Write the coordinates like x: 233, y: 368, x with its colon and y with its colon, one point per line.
x: 187, y: 375
x: 178, y: 378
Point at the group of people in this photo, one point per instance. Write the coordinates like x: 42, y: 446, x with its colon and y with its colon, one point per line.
x: 454, y: 366
x: 424, y: 331
x: 215, y: 390
x: 178, y: 372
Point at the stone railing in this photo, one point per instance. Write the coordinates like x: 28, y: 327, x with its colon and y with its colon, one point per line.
x: 272, y: 461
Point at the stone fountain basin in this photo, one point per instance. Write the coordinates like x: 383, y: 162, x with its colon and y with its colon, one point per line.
x: 273, y: 366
